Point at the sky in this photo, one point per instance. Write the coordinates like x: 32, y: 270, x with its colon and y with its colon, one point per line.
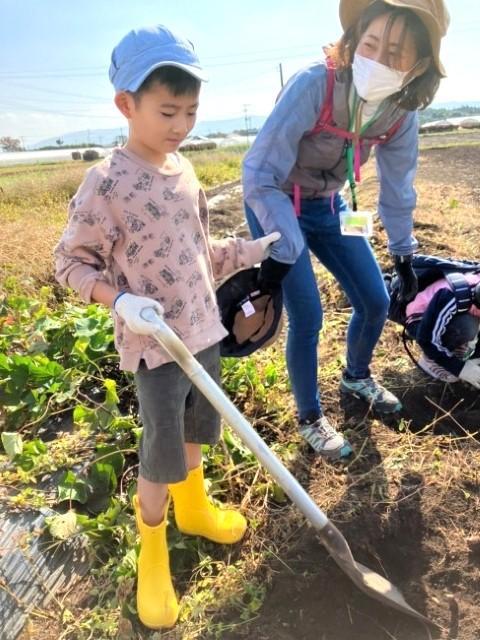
x: 55, y: 54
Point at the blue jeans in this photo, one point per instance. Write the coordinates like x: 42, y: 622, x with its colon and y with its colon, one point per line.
x: 351, y: 261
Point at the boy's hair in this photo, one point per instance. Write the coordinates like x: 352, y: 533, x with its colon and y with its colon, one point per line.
x: 419, y: 93
x: 177, y: 81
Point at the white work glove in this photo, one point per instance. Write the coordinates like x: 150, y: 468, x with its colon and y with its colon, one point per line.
x: 267, y: 241
x: 471, y: 373
x: 129, y: 308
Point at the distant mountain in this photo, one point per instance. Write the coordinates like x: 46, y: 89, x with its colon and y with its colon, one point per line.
x: 455, y: 104
x: 108, y: 137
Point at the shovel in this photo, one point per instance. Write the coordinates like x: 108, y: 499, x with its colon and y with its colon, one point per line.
x: 367, y: 580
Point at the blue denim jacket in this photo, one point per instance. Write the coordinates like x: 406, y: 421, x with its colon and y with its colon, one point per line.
x: 273, y: 156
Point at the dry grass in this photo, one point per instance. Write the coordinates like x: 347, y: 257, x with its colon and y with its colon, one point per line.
x: 436, y: 477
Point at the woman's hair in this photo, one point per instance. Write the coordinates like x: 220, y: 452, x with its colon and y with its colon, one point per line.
x: 177, y: 81
x: 418, y: 93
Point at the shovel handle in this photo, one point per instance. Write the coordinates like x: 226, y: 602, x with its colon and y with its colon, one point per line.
x: 232, y: 416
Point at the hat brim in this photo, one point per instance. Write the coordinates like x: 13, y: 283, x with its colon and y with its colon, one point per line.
x: 351, y: 10
x: 196, y: 72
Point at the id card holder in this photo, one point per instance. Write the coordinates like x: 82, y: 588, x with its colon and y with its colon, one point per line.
x: 356, y: 223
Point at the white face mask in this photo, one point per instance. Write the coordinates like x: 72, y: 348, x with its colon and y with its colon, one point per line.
x: 375, y: 81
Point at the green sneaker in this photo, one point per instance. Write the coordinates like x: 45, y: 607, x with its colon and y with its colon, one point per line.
x: 368, y: 389
x: 325, y: 439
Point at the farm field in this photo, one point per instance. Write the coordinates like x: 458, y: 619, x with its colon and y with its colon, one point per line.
x: 408, y: 503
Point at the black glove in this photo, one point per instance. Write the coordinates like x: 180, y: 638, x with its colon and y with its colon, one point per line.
x: 271, y: 274
x: 408, y: 281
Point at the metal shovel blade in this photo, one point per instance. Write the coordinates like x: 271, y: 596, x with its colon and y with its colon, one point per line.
x: 367, y: 580
x: 372, y: 583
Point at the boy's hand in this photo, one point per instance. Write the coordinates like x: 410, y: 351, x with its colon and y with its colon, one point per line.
x: 471, y: 373
x: 129, y: 307
x: 267, y: 241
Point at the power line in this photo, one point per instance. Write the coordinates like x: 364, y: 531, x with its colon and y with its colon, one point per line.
x: 54, y: 75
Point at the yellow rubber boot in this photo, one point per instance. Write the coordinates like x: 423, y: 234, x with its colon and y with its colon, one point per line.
x: 156, y: 600
x: 197, y: 516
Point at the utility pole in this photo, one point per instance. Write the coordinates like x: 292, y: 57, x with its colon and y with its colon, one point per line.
x: 281, y: 74
x: 247, y: 123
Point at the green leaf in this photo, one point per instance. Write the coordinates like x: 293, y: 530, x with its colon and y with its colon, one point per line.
x: 102, y: 478
x: 62, y: 526
x: 111, y: 455
x: 72, y: 488
x: 102, y: 483
x: 12, y: 443
x: 111, y: 397
x: 84, y: 417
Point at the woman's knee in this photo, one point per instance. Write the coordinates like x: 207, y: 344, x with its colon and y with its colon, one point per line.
x: 375, y: 307
x: 305, y: 316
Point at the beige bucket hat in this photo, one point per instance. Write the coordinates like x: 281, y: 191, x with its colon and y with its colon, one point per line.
x: 433, y: 13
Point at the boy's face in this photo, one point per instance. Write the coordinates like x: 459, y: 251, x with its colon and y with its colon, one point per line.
x: 159, y: 121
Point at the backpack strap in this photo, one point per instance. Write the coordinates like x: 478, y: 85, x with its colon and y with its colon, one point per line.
x: 386, y: 137
x: 461, y: 290
x: 325, y: 122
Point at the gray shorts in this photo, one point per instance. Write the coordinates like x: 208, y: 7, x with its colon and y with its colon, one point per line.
x: 173, y: 411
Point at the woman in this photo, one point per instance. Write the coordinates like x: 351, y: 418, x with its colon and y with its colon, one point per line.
x: 385, y: 67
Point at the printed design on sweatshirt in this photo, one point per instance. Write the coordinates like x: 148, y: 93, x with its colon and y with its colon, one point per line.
x: 154, y: 210
x: 113, y: 234
x: 176, y: 308
x: 196, y: 317
x: 132, y: 252
x: 122, y: 281
x: 208, y: 302
x: 197, y: 238
x: 220, y: 259
x: 165, y: 246
x: 147, y: 287
x: 107, y: 188
x: 194, y: 279
x: 133, y: 223
x: 129, y: 197
x: 169, y: 276
x: 186, y: 257
x: 90, y: 218
x: 171, y: 196
x: 148, y: 263
x: 94, y: 246
x: 181, y: 216
x: 144, y: 181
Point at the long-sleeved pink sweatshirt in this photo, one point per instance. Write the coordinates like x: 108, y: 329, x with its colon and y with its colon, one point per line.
x: 145, y: 231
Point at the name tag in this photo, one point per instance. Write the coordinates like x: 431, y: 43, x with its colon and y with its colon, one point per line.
x: 356, y: 223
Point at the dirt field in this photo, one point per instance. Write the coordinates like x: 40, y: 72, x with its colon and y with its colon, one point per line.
x: 409, y: 502
x: 413, y: 517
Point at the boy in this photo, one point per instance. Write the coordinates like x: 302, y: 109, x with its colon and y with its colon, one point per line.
x: 138, y: 237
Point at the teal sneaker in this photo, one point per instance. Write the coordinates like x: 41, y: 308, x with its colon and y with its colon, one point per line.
x: 368, y: 389
x: 325, y: 439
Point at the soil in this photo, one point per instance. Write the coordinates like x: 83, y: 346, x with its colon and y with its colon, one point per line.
x: 419, y: 532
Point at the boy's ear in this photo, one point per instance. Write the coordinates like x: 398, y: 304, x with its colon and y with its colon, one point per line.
x: 125, y: 103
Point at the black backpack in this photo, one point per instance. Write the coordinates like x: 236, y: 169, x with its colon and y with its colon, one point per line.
x: 429, y: 269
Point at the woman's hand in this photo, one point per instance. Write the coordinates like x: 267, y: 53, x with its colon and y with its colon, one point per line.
x: 408, y: 282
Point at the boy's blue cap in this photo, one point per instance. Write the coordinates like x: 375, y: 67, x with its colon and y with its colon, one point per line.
x: 143, y: 50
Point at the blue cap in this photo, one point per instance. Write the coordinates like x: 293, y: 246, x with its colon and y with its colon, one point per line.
x: 143, y: 50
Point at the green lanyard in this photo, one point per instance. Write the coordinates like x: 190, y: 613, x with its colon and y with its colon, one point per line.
x: 352, y: 146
